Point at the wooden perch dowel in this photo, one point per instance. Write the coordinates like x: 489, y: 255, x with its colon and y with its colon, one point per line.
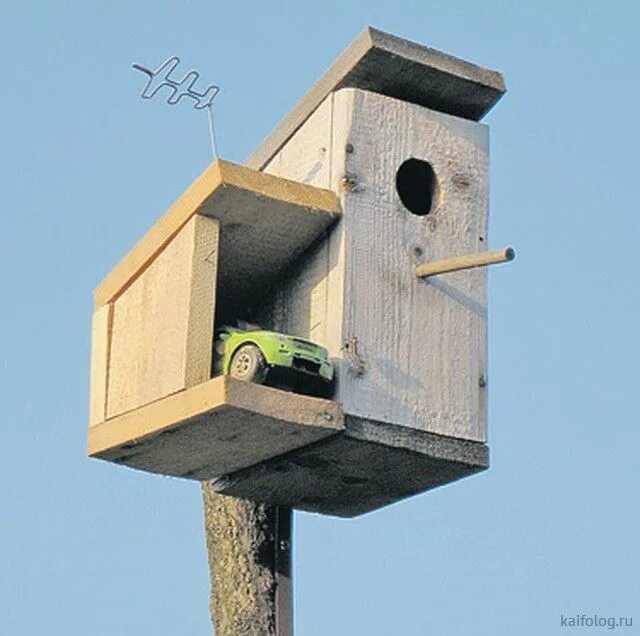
x: 469, y: 261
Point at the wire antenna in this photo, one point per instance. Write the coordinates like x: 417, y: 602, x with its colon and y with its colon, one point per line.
x: 161, y: 77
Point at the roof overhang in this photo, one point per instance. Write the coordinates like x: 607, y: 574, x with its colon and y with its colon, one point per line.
x: 383, y: 63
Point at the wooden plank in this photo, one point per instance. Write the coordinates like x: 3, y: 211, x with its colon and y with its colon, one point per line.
x: 214, y: 428
x: 422, y: 343
x: 162, y: 331
x: 240, y: 198
x: 202, y: 301
x: 370, y: 465
x: 383, y: 63
x: 306, y: 157
x: 308, y: 300
x: 341, y: 150
x: 100, y: 334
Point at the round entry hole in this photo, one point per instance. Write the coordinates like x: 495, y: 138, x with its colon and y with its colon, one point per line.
x: 417, y: 186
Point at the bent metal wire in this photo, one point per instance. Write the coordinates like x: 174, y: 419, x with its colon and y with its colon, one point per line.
x: 161, y: 77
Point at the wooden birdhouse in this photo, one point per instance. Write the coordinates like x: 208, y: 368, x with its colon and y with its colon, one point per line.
x: 377, y: 178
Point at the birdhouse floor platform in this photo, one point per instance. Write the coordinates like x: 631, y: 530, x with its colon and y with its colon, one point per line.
x: 366, y: 466
x: 214, y: 428
x: 283, y: 448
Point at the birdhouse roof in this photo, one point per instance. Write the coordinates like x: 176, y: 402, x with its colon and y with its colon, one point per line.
x: 383, y: 63
x: 266, y: 220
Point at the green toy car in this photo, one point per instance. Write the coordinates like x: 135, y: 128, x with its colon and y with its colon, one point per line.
x: 250, y: 354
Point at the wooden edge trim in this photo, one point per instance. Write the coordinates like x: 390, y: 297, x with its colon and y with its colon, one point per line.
x: 279, y: 188
x: 101, y: 328
x: 216, y: 394
x: 151, y: 419
x: 437, y: 60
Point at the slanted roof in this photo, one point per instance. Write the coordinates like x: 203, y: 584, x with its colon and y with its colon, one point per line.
x: 386, y: 64
x: 266, y: 222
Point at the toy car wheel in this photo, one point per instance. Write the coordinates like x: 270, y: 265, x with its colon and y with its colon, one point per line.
x: 248, y: 364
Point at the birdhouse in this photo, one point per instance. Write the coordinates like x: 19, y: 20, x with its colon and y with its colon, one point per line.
x: 359, y: 225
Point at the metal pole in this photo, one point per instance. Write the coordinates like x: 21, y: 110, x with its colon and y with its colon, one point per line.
x: 284, y: 580
x: 212, y: 132
x: 465, y: 262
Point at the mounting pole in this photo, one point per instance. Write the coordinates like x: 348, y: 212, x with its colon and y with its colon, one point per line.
x: 284, y: 574
x: 249, y: 548
x: 469, y: 261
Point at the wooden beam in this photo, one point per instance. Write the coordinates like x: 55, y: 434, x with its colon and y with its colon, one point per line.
x: 161, y: 338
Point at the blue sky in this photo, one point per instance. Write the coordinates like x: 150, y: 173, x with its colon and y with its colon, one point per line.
x: 552, y: 528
